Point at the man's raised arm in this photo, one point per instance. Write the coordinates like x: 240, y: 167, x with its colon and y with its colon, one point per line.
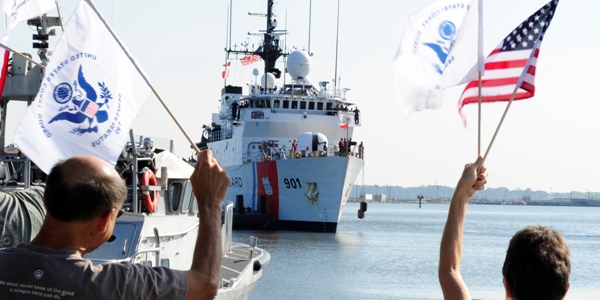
x: 210, y: 184
x: 473, y: 179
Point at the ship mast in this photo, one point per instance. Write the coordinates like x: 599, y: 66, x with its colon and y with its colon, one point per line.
x: 270, y: 51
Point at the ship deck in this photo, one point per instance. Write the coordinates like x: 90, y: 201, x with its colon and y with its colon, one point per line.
x: 235, y: 262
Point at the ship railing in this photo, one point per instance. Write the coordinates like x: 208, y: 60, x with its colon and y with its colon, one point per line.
x: 219, y: 135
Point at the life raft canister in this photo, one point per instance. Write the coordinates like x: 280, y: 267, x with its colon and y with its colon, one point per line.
x: 151, y: 198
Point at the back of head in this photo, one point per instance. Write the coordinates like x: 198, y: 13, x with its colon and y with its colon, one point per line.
x: 78, y: 190
x: 537, y: 264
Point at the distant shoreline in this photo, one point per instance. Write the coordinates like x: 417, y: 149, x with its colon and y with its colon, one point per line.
x: 553, y: 202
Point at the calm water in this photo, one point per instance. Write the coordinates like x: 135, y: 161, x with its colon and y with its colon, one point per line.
x: 393, y: 252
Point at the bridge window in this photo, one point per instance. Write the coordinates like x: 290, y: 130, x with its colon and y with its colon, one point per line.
x: 286, y: 103
x: 187, y: 198
x: 276, y: 104
x: 311, y: 105
x: 320, y: 106
x: 294, y: 104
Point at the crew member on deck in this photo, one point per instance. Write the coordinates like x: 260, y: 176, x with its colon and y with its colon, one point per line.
x: 235, y: 111
x: 361, y: 150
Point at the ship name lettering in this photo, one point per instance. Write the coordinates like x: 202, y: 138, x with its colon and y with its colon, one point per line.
x: 235, y: 182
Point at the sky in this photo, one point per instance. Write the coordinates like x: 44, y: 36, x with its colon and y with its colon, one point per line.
x: 549, y: 142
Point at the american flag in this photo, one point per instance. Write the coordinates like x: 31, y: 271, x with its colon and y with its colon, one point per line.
x: 512, y: 63
x: 249, y: 59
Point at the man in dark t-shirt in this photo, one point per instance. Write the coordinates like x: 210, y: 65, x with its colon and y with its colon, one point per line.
x: 83, y: 199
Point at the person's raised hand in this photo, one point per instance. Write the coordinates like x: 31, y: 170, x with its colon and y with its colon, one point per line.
x: 209, y: 181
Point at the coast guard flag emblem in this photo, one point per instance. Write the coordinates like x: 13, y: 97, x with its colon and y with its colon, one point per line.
x: 89, y: 96
x: 441, y: 47
x: 18, y: 11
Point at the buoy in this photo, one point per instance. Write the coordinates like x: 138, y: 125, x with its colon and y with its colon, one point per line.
x: 256, y: 266
x: 151, y: 198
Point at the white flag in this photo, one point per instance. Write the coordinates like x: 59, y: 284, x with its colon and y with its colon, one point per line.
x: 439, y: 49
x: 89, y: 96
x: 18, y: 11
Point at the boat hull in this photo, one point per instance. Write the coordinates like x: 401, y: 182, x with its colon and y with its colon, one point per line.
x: 304, y: 194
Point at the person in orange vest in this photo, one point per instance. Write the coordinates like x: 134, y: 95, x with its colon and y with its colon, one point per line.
x: 294, y: 149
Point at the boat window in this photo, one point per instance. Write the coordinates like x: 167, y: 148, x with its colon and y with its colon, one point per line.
x: 175, y: 190
x: 320, y: 106
x: 164, y: 262
x: 311, y: 105
x: 195, y: 204
x: 187, y: 197
x: 303, y: 105
x: 276, y: 104
x: 286, y: 103
x: 268, y: 103
x: 294, y: 104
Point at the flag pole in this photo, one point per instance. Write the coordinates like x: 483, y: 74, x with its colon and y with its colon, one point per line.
x: 501, y: 120
x: 479, y: 116
x: 143, y: 75
x: 481, y: 67
x: 512, y: 97
x: 62, y: 27
x: 21, y: 55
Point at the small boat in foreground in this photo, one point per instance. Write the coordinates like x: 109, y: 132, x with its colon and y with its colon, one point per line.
x: 160, y: 226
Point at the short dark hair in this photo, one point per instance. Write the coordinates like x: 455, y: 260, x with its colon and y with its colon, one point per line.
x: 537, y: 264
x: 83, y: 199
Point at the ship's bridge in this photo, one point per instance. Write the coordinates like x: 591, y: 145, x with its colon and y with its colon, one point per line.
x: 299, y: 90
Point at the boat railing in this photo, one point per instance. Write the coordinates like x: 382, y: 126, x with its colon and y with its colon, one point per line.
x: 220, y: 134
x: 138, y: 255
x: 227, y: 227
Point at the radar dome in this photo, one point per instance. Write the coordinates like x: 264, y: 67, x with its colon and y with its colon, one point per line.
x: 312, y: 141
x: 298, y: 64
x: 270, y: 80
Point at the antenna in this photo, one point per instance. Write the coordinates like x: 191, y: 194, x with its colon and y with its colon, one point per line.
x: 285, y: 47
x: 309, y: 24
x: 337, y: 35
x: 227, y: 42
x: 229, y: 33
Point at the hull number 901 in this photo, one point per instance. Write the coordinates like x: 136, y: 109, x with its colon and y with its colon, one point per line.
x: 292, y: 183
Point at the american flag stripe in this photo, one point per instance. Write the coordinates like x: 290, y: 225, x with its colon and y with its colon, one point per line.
x: 512, y: 64
x: 501, y: 77
x: 91, y: 109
